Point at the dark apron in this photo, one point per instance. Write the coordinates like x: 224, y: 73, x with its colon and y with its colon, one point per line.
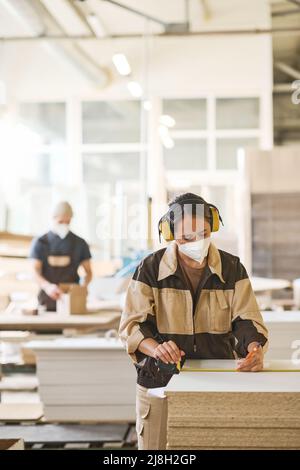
x: 60, y: 270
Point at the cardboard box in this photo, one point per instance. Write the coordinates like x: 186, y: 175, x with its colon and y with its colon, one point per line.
x: 28, y: 356
x: 73, y: 300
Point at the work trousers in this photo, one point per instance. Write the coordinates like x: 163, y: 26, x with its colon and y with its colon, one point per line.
x: 151, y: 420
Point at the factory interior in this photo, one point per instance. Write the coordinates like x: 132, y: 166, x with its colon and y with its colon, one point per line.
x: 109, y: 112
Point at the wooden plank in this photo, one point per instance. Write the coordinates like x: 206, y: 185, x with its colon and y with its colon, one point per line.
x: 20, y: 412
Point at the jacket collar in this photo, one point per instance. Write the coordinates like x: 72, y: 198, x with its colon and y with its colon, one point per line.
x: 168, y: 262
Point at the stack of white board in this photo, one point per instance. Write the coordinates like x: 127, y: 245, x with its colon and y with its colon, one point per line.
x: 284, y: 334
x: 85, y: 379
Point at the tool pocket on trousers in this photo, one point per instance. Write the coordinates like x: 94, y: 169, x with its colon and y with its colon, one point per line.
x: 142, y: 414
x: 219, y: 311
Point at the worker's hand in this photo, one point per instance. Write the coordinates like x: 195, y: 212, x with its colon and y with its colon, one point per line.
x: 254, y: 361
x: 168, y: 352
x: 53, y: 291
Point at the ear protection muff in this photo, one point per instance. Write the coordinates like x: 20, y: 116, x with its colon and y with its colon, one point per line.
x: 166, y: 228
x: 166, y: 224
x: 215, y: 218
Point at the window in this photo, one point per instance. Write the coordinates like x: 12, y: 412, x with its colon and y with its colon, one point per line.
x: 46, y: 120
x: 226, y: 151
x: 34, y: 153
x: 110, y: 168
x: 237, y: 113
x: 187, y: 154
x: 188, y: 113
x: 110, y: 122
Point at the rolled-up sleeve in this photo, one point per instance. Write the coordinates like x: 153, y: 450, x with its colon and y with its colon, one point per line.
x: 138, y: 319
x: 247, y: 322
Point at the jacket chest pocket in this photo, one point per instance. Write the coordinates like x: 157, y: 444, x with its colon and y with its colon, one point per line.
x: 219, y: 311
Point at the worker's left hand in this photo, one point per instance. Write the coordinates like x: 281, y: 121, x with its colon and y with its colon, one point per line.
x: 254, y: 361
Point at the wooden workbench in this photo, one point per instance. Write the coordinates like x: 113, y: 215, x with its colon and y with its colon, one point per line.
x: 51, y: 321
x: 233, y: 410
x: 104, y: 315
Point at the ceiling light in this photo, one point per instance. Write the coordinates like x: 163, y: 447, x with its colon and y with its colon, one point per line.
x: 163, y: 131
x: 168, y: 142
x: 121, y: 63
x: 165, y: 137
x: 147, y: 105
x: 167, y: 120
x: 135, y: 89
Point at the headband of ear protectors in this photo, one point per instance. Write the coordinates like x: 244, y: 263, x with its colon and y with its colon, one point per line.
x: 166, y: 223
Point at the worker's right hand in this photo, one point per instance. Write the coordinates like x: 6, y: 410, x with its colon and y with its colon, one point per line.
x: 53, y: 291
x: 168, y: 352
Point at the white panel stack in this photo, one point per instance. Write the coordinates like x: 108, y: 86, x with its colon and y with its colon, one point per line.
x: 85, y: 379
x: 284, y: 334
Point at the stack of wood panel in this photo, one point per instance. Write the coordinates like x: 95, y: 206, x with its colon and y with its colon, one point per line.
x: 232, y: 410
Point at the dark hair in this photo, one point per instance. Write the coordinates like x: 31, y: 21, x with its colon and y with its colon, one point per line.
x: 192, y: 199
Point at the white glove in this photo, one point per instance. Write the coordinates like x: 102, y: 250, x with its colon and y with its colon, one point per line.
x: 53, y: 291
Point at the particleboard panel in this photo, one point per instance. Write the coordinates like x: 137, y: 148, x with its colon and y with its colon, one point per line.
x: 227, y: 409
x: 234, y: 410
x: 248, y: 437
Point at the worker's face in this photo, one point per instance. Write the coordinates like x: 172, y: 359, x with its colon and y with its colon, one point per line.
x: 191, y: 229
x: 62, y: 219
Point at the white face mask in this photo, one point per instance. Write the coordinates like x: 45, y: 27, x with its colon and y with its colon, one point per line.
x: 196, y: 250
x: 61, y: 230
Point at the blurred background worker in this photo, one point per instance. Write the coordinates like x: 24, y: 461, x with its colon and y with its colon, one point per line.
x: 57, y: 256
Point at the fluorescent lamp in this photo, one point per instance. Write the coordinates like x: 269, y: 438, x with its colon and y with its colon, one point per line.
x: 163, y: 131
x: 121, y: 63
x: 135, y: 89
x: 165, y: 137
x: 167, y: 120
x: 96, y: 25
x: 147, y: 105
x: 168, y: 142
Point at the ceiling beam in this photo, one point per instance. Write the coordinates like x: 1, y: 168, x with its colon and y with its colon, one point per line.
x: 282, y: 88
x: 288, y: 70
x: 32, y: 16
x: 236, y: 32
x: 295, y: 2
x: 81, y: 15
x: 168, y: 27
x: 296, y: 11
x: 138, y: 13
